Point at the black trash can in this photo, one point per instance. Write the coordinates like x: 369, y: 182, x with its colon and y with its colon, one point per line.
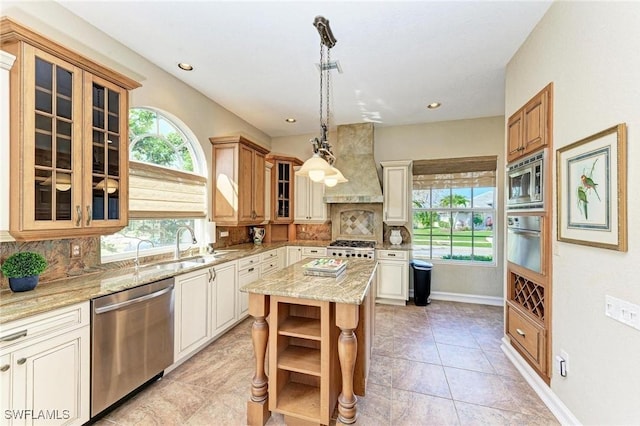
x: 421, y: 282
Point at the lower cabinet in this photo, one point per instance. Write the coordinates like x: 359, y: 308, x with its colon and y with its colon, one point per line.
x: 393, y: 277
x: 527, y: 336
x: 248, y: 272
x: 44, y: 368
x: 224, y: 294
x: 294, y: 254
x: 191, y: 314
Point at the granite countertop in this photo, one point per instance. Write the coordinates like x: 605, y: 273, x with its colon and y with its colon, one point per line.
x: 350, y: 288
x: 56, y: 294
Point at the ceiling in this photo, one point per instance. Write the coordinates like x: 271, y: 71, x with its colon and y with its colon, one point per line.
x: 258, y: 59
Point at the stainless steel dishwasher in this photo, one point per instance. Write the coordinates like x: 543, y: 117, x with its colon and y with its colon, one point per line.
x: 131, y: 340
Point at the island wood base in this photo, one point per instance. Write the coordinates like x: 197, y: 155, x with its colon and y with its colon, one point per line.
x: 316, y: 359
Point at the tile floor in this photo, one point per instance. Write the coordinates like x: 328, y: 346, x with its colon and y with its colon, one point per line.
x: 434, y: 365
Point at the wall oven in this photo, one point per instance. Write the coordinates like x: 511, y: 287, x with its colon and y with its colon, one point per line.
x: 525, y: 185
x: 524, y: 241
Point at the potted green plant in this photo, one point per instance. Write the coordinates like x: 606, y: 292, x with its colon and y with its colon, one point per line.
x: 23, y: 270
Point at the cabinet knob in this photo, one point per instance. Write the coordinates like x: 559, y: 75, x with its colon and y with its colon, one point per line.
x: 520, y: 332
x: 4, y: 367
x: 22, y: 361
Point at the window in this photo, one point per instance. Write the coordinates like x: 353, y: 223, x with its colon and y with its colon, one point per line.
x: 454, y: 210
x: 167, y: 186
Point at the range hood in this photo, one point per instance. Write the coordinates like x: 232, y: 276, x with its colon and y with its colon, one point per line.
x: 354, y: 158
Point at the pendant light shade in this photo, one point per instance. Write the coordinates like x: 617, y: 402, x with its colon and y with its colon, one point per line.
x: 334, y: 177
x: 315, y: 168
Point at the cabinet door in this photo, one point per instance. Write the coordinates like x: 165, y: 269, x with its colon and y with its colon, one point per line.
x: 396, y: 204
x: 106, y: 155
x: 6, y: 375
x: 282, y: 258
x: 224, y: 297
x: 317, y: 206
x: 54, y: 375
x: 267, y: 191
x: 283, y: 192
x: 191, y: 312
x: 514, y: 136
x: 258, y: 187
x: 51, y: 156
x: 246, y: 276
x: 301, y: 205
x: 294, y: 254
x: 393, y: 279
x: 245, y: 184
x: 535, y: 123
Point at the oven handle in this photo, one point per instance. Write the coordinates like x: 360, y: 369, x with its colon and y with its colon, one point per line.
x: 115, y: 306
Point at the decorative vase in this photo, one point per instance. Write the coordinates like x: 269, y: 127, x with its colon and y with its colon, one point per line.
x: 23, y: 283
x: 258, y: 235
x: 395, y: 238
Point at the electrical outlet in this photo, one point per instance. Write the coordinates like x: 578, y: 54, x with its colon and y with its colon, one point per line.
x: 75, y: 251
x: 622, y: 311
x: 224, y: 234
x: 562, y: 363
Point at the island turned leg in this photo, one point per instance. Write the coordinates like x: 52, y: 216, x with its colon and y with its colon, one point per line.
x: 347, y: 321
x: 258, y: 406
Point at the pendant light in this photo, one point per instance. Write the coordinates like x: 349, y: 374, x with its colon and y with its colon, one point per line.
x: 319, y: 168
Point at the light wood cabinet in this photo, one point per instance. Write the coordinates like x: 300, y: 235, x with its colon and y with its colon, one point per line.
x: 69, y: 135
x: 393, y: 277
x: 238, y: 181
x: 309, y: 203
x: 527, y: 335
x: 396, y: 180
x: 267, y: 192
x: 283, y: 188
x: 529, y: 128
x: 191, y: 315
x: 46, y: 367
x: 224, y: 294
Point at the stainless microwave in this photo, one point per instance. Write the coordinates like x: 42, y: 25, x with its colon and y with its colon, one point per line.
x: 525, y: 182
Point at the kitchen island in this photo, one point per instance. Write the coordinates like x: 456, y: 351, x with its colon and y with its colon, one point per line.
x: 319, y: 336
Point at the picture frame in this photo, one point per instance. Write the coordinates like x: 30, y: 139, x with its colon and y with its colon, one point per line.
x: 592, y: 190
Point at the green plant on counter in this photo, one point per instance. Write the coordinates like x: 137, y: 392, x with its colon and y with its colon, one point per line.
x: 24, y: 264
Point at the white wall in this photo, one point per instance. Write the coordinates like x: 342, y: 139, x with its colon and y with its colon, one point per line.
x: 159, y: 88
x: 450, y: 139
x: 590, y: 50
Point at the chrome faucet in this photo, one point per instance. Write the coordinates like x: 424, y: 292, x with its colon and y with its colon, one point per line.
x: 176, y: 254
x: 136, y: 261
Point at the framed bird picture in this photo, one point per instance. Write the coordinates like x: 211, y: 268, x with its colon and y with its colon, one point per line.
x: 592, y: 190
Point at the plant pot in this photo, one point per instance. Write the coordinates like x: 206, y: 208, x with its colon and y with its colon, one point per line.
x: 23, y: 283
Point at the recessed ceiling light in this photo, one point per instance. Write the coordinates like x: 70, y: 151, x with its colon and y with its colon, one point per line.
x: 434, y: 105
x: 290, y: 120
x: 185, y: 66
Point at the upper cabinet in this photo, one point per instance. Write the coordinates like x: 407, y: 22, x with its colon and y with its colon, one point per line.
x: 529, y: 128
x: 238, y: 181
x: 69, y: 135
x: 396, y: 181
x: 309, y: 201
x: 282, y: 188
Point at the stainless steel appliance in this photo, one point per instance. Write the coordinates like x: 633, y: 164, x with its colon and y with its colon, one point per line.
x: 352, y: 248
x: 525, y: 185
x: 131, y: 340
x: 524, y: 241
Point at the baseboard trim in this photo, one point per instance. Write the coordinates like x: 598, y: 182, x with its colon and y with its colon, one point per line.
x: 467, y: 298
x: 550, y: 399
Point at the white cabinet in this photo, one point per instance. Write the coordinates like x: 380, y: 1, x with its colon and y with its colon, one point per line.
x: 269, y: 262
x: 44, y: 367
x: 191, y: 319
x: 294, y: 254
x: 248, y: 272
x: 396, y: 182
x: 309, y: 206
x: 282, y: 257
x: 393, y: 277
x: 224, y: 297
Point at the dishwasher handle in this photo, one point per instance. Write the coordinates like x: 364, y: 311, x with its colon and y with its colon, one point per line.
x: 109, y: 308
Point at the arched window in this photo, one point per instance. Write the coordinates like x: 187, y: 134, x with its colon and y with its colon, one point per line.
x: 167, y: 186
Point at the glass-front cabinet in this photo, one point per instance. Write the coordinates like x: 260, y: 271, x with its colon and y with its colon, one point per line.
x: 283, y: 187
x: 68, y: 119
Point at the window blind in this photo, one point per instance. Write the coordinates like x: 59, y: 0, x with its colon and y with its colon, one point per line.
x: 158, y: 192
x: 465, y: 172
